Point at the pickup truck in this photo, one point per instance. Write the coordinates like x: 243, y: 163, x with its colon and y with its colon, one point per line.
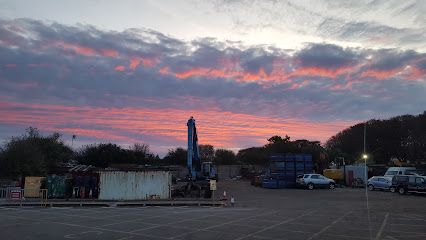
x: 408, y: 184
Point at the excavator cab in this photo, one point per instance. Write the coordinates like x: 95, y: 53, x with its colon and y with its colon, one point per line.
x: 208, y: 170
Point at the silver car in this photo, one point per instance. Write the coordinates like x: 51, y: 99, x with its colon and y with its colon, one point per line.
x: 312, y: 181
x: 379, y: 182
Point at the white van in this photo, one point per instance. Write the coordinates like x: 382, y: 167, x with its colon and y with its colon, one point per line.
x: 400, y: 171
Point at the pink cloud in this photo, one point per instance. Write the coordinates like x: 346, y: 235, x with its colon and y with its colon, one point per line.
x: 381, y: 74
x: 78, y: 49
x: 120, y: 68
x: 109, y: 52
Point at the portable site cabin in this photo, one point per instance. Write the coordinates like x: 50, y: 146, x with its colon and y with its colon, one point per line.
x: 352, y: 172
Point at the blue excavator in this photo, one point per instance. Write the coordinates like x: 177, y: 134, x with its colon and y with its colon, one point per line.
x: 197, y: 182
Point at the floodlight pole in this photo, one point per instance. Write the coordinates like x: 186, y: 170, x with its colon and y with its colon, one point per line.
x: 365, y: 131
x: 364, y: 156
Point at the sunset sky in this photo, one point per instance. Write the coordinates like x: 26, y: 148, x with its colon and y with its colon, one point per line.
x: 135, y: 71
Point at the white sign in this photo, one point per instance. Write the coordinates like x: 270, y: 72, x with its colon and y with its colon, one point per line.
x: 213, y: 186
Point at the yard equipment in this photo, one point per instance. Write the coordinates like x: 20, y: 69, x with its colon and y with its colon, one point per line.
x: 197, y: 183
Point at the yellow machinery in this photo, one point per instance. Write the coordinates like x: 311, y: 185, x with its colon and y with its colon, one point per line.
x: 335, y: 174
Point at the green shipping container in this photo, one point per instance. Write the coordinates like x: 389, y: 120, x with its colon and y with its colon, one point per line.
x: 58, y: 186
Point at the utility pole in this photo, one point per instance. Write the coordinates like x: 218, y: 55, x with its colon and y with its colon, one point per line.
x: 72, y: 140
x: 365, y: 131
x: 365, y: 156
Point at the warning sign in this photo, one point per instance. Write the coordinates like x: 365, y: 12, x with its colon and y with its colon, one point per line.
x: 15, y: 194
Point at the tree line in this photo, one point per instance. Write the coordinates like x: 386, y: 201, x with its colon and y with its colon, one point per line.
x: 35, y: 154
x: 402, y: 137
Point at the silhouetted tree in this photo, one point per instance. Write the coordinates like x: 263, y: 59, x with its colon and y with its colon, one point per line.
x: 402, y: 137
x: 33, y: 154
x: 224, y: 157
x: 142, y: 155
x: 278, y: 139
x: 176, y: 156
x: 206, y: 153
x: 253, y: 155
x: 104, y: 154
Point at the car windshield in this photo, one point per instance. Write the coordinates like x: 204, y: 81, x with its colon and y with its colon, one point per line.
x: 410, y: 172
x: 391, y: 172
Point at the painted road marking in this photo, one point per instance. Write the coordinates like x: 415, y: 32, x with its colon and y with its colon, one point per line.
x: 379, y: 233
x: 275, y: 225
x: 328, y: 226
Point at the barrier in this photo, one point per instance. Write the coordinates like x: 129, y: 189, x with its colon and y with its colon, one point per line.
x: 3, y: 193
x: 43, y: 197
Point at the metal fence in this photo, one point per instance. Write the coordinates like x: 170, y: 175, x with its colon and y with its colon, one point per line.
x: 14, y: 194
x: 3, y: 193
x: 6, y: 193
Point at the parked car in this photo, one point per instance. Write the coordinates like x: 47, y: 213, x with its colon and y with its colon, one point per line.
x: 379, y: 182
x: 409, y: 184
x: 392, y: 171
x: 312, y: 181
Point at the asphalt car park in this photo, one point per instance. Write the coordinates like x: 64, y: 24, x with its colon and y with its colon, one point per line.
x: 258, y: 214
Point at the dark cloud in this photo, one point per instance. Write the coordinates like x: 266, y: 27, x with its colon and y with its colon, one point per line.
x: 421, y: 64
x: 392, y: 59
x: 253, y: 60
x: 203, y: 74
x: 327, y: 56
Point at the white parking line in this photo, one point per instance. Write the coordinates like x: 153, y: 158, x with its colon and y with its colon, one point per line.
x: 95, y: 228
x: 379, y: 233
x: 71, y: 236
x: 328, y: 226
x: 391, y: 238
x: 224, y: 223
x: 274, y: 225
x: 345, y: 236
x: 171, y: 223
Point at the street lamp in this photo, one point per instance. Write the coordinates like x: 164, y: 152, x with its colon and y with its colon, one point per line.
x: 364, y: 156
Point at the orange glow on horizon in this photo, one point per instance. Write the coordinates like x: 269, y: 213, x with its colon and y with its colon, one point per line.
x: 219, y: 128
